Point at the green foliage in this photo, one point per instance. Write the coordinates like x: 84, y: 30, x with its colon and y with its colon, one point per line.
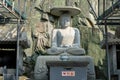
x: 113, y: 28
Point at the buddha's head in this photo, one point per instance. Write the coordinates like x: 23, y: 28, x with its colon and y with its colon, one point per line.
x: 65, y: 20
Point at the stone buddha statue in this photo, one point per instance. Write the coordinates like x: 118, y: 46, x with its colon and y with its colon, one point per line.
x: 65, y: 45
x: 66, y: 39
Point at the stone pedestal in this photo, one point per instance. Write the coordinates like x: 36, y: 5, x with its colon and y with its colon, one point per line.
x: 67, y: 70
x: 41, y: 69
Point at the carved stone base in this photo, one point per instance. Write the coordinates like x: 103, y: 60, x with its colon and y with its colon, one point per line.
x: 41, y: 71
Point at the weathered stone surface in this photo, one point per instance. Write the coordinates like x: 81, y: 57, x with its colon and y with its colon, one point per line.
x: 40, y: 72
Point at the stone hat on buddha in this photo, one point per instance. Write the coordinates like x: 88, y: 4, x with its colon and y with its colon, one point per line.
x: 58, y: 11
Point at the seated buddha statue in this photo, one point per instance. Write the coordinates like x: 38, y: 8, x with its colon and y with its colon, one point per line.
x: 66, y: 39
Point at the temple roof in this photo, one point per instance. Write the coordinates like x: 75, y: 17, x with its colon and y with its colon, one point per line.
x: 111, y: 41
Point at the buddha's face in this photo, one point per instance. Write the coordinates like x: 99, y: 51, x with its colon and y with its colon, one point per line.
x: 65, y: 20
